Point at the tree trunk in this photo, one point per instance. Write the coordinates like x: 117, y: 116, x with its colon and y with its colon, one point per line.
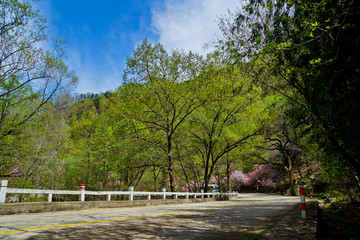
x: 206, y: 185
x: 291, y: 180
x: 171, y: 176
x: 165, y: 177
x: 155, y: 179
x: 228, y: 175
x: 170, y: 157
x: 206, y: 177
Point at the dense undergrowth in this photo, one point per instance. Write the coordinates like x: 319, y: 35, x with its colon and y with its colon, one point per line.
x: 339, y: 220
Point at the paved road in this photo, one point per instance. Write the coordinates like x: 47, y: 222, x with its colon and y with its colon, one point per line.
x: 245, y: 218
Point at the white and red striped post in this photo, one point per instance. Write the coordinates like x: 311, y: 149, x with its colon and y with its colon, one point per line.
x: 302, y: 204
x: 82, y: 189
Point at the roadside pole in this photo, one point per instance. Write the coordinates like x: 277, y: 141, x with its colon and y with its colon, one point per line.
x: 82, y: 195
x: 302, y: 204
x: 3, y: 188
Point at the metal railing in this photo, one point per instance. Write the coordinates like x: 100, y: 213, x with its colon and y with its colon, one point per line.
x: 82, y: 192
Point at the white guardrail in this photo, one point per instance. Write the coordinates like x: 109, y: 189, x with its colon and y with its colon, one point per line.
x: 82, y: 192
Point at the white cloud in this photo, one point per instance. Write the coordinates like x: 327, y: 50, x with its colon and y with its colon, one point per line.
x: 96, y: 72
x: 180, y: 24
x: 94, y: 77
x: 189, y: 24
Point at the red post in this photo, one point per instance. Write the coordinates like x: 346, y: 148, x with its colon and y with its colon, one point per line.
x: 82, y: 186
x: 302, y: 204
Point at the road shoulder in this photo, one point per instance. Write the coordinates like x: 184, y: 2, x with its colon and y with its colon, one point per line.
x: 291, y: 226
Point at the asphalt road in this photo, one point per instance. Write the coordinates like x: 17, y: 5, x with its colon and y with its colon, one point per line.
x: 246, y: 218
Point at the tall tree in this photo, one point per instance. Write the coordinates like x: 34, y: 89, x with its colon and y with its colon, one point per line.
x: 162, y: 92
x: 29, y: 75
x: 234, y: 114
x: 284, y: 149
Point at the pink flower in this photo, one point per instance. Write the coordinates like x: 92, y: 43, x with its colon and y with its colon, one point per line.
x: 15, y: 172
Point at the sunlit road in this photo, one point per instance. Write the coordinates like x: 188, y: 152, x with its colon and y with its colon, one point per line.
x: 245, y: 218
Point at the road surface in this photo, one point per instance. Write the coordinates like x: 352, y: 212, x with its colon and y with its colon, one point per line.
x: 245, y: 218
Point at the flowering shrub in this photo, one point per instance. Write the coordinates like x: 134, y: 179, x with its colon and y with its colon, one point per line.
x: 266, y: 176
x: 238, y: 178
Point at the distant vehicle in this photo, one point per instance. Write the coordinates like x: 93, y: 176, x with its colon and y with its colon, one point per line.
x: 214, y: 187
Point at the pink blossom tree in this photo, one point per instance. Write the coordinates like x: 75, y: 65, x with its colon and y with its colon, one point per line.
x: 267, y: 176
x: 238, y: 178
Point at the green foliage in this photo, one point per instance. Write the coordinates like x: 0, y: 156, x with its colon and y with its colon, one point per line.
x: 183, y: 120
x: 234, y: 113
x: 30, y: 77
x: 160, y: 93
x: 305, y: 48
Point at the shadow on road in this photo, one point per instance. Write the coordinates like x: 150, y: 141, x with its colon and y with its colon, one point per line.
x: 236, y: 222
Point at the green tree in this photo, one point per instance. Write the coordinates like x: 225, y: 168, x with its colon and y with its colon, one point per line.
x: 162, y: 94
x: 312, y: 49
x: 284, y: 149
x: 38, y: 151
x: 234, y: 114
x: 29, y: 75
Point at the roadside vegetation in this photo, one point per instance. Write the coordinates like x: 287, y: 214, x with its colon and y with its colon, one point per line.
x: 275, y: 106
x: 339, y: 220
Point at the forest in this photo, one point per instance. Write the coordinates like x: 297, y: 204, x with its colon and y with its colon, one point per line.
x: 274, y: 106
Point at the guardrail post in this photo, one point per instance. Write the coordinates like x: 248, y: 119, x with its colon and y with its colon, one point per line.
x: 176, y: 196
x: 50, y: 197
x: 108, y: 198
x: 131, y: 189
x: 149, y: 197
x: 82, y: 189
x: 202, y: 193
x: 302, y: 204
x: 3, y: 188
x: 187, y: 195
x: 164, y: 190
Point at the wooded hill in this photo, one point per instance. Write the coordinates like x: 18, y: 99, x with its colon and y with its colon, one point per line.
x: 275, y: 105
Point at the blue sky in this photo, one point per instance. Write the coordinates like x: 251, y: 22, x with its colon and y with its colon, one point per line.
x: 102, y: 34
